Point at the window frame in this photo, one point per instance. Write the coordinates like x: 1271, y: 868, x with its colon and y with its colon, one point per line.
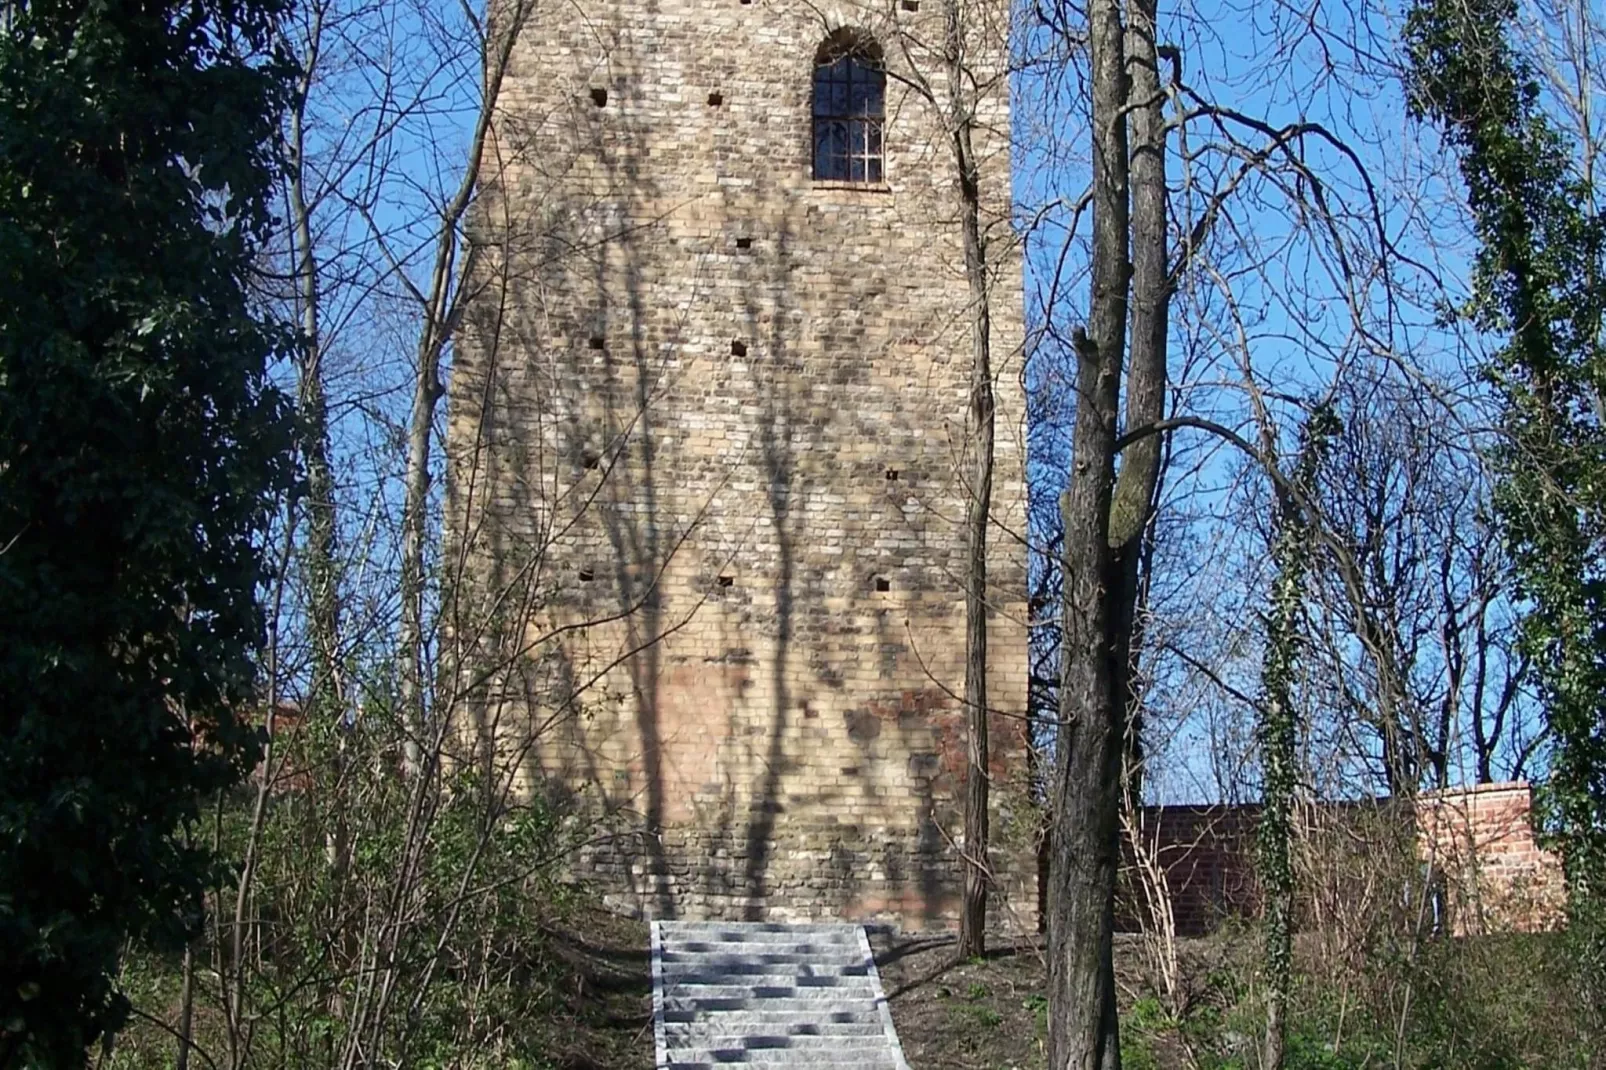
x: 848, y: 105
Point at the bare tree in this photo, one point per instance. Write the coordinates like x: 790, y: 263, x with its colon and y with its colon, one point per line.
x: 980, y: 432
x: 321, y: 551
x: 1104, y: 522
x: 957, y: 76
x: 1083, y: 1027
x: 1416, y: 628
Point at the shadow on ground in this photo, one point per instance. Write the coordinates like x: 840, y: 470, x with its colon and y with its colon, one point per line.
x: 992, y: 1014
x: 986, y: 1015
x: 606, y: 1020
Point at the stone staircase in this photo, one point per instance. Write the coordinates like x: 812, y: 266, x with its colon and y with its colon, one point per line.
x: 769, y: 995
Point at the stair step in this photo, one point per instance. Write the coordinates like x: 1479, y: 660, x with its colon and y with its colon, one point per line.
x: 882, y: 1062
x: 769, y: 995
x: 768, y: 956
x: 801, y: 965
x: 771, y: 1041
x: 781, y: 1016
x: 823, y: 937
x: 778, y: 988
x: 784, y: 928
x: 823, y: 1006
x: 814, y: 950
x: 758, y: 1025
x: 784, y: 1057
x: 741, y: 974
x: 790, y: 988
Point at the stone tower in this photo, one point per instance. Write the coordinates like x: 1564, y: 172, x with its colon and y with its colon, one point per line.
x: 708, y: 453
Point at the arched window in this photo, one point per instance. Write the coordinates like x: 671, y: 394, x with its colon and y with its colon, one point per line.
x: 850, y: 90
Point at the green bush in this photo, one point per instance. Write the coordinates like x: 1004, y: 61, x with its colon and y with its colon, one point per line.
x: 1476, y: 1003
x: 404, y: 921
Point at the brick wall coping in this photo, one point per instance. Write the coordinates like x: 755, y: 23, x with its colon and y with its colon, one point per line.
x: 1502, y: 788
x: 1452, y: 792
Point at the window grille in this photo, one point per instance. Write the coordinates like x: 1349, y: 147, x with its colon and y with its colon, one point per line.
x: 850, y: 89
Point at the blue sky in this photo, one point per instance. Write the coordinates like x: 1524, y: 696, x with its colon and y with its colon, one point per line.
x: 1333, y: 261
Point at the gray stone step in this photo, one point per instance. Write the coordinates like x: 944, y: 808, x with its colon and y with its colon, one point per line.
x: 786, y: 928
x: 880, y: 1062
x: 692, y: 973
x: 822, y: 1007
x: 763, y: 939
x: 812, y: 950
x: 769, y: 995
x: 764, y: 1026
x: 784, y: 1057
x: 769, y: 1041
x: 726, y: 955
x: 808, y: 1014
x: 833, y: 988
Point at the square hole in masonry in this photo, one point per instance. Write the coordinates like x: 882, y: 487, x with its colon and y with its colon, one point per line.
x: 586, y: 575
x: 892, y: 475
x: 599, y: 97
x: 596, y: 342
x: 715, y: 99
x: 744, y: 244
x: 738, y: 349
x: 911, y: 5
x: 883, y: 584
x: 727, y: 581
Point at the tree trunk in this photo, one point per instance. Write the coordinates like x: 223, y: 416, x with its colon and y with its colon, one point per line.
x: 1133, y: 498
x: 1279, y: 737
x: 410, y: 639
x: 186, y: 1009
x: 973, y: 916
x: 1083, y: 1031
x: 441, y: 309
x: 326, y: 693
x: 312, y: 403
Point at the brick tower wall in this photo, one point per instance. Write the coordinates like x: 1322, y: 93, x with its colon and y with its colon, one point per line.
x: 707, y: 457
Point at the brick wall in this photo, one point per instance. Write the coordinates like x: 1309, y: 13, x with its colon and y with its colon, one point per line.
x: 1206, y: 856
x: 1497, y: 877
x: 1478, y: 840
x: 707, y: 453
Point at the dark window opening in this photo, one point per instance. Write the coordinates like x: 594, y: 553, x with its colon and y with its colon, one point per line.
x: 744, y: 243
x: 586, y: 575
x: 727, y: 581
x: 596, y: 341
x: 715, y: 99
x: 892, y: 475
x: 599, y: 97
x: 911, y: 5
x: 850, y: 89
x: 738, y: 349
x: 883, y: 584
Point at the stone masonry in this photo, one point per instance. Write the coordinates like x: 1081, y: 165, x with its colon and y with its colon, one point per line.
x: 708, y: 457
